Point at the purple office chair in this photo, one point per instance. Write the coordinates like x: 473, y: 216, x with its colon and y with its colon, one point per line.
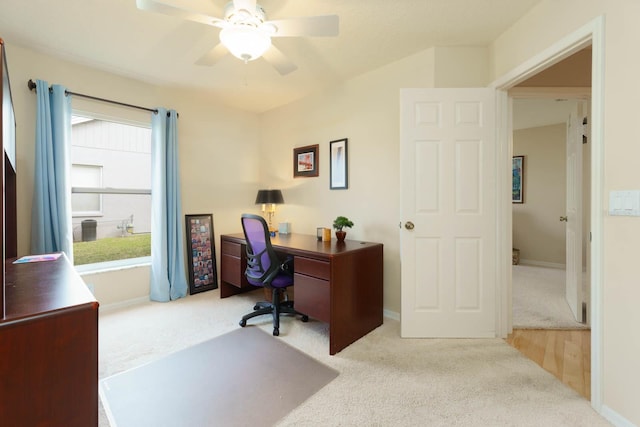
x: 265, y: 269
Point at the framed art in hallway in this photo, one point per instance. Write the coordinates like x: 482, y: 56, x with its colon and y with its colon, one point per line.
x: 339, y: 178
x: 517, y: 192
x: 201, y: 255
x: 305, y: 161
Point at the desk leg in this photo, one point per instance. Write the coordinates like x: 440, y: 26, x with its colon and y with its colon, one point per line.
x: 356, y: 297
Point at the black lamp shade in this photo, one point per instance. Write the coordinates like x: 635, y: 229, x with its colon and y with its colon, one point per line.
x: 269, y: 196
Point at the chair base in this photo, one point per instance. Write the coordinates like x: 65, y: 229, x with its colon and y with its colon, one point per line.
x: 274, y: 308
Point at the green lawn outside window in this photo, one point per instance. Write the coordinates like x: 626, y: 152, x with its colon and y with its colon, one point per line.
x: 112, y: 249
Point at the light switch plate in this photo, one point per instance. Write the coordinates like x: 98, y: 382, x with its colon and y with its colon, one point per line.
x: 624, y: 203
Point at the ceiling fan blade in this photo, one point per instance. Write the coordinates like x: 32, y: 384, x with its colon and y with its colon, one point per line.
x: 279, y: 61
x: 165, y: 9
x: 312, y: 26
x: 248, y: 5
x: 213, y: 56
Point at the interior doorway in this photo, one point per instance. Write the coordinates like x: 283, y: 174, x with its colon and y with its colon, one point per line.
x: 544, y: 289
x: 542, y: 114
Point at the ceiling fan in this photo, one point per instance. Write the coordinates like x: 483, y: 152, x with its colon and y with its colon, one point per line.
x: 246, y: 33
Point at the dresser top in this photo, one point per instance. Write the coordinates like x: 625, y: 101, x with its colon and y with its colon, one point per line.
x: 41, y: 288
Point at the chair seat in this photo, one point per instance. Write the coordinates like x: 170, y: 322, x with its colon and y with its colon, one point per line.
x: 281, y: 281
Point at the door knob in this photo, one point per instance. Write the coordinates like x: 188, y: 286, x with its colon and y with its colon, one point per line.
x: 563, y: 218
x: 409, y: 225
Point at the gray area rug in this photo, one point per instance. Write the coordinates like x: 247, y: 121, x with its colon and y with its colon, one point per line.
x: 244, y: 377
x: 539, y: 301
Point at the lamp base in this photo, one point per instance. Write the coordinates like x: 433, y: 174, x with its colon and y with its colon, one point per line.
x: 270, y: 223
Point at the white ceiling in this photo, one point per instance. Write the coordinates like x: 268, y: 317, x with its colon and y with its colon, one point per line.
x: 114, y: 35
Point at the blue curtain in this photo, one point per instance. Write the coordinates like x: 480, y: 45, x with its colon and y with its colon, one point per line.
x: 168, y: 278
x: 51, y: 229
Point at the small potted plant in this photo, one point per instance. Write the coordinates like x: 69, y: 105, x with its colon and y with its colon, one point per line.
x: 339, y: 223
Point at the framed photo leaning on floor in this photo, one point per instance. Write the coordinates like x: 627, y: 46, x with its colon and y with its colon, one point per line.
x: 201, y: 253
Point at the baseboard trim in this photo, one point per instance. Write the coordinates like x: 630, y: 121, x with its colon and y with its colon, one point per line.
x: 123, y: 304
x: 615, y: 418
x: 542, y: 264
x: 391, y: 314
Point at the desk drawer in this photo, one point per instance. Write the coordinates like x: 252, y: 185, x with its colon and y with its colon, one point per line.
x: 312, y: 296
x: 313, y: 267
x: 231, y: 248
x: 231, y: 269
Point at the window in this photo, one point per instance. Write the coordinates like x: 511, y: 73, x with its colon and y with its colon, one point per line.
x: 111, y: 190
x: 86, y: 204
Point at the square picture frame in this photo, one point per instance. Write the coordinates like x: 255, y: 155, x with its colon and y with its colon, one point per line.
x: 305, y: 161
x: 517, y: 189
x: 201, y: 253
x: 339, y: 164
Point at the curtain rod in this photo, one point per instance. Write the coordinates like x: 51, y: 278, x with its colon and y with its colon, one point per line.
x: 32, y: 86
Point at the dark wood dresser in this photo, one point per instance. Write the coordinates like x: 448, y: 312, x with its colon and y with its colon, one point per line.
x: 48, y: 317
x: 48, y: 347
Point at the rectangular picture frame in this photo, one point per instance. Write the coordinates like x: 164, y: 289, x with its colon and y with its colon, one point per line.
x: 517, y: 192
x: 201, y: 253
x: 305, y: 161
x: 339, y: 164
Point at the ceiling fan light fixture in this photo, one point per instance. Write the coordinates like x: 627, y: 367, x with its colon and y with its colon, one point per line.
x: 245, y: 42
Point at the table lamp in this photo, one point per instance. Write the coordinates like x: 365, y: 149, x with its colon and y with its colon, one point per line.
x: 269, y: 199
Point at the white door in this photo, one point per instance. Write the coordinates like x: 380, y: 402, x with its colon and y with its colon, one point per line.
x: 573, y: 218
x: 448, y: 212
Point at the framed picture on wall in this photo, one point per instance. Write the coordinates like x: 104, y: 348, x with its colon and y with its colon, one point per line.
x: 517, y: 192
x: 339, y: 178
x: 201, y: 253
x: 305, y: 161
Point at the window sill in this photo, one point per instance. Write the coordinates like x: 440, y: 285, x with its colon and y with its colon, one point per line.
x: 123, y: 264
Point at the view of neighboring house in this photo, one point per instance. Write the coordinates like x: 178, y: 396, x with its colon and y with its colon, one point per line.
x: 114, y: 156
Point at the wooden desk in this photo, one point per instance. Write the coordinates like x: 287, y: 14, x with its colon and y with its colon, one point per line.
x: 337, y: 283
x: 48, y: 347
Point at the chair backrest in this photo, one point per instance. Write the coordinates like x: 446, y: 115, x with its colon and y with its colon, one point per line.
x: 263, y: 263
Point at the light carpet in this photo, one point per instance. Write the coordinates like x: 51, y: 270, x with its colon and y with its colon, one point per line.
x: 209, y: 384
x: 539, y: 300
x: 384, y: 380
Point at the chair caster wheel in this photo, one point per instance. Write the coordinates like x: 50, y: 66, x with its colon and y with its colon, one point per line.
x: 276, y: 332
x: 305, y: 318
x: 243, y: 323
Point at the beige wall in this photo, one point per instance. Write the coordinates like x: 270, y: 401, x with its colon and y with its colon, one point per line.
x: 461, y: 66
x: 537, y: 231
x: 115, y: 287
x: 545, y: 24
x: 218, y: 148
x: 367, y: 111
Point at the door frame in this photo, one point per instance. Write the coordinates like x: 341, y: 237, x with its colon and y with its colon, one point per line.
x: 591, y: 34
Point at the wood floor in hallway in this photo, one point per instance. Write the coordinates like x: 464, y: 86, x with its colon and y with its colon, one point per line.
x: 565, y: 353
